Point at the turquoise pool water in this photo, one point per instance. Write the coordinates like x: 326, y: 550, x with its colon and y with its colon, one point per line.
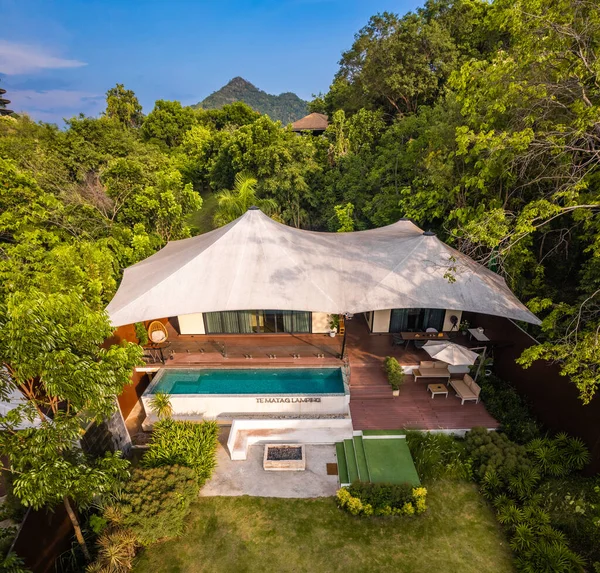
x: 250, y: 381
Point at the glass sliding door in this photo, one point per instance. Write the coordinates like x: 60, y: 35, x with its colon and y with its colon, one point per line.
x: 416, y: 319
x: 399, y: 320
x: 433, y: 318
x: 213, y: 323
x: 302, y: 322
x: 257, y: 321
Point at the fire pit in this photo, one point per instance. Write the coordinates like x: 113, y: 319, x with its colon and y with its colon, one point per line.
x: 284, y: 457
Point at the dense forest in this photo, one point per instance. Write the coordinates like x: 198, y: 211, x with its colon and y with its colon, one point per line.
x: 286, y: 107
x: 479, y: 120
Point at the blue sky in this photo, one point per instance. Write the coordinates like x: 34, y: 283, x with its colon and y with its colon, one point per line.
x: 58, y: 58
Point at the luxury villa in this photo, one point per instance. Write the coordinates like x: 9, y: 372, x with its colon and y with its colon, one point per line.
x: 281, y: 332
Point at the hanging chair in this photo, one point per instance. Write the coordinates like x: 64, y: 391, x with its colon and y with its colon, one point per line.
x: 157, y: 332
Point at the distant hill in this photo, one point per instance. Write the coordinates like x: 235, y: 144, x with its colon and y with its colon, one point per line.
x: 286, y: 107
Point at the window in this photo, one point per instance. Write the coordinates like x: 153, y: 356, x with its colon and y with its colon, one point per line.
x: 257, y: 321
x: 416, y: 319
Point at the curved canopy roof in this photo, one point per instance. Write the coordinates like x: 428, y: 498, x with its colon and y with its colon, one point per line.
x: 257, y: 263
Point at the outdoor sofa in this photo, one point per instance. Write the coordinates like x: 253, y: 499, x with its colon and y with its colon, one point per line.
x: 466, y: 389
x: 431, y: 369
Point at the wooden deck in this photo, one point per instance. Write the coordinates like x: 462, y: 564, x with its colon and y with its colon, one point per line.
x: 371, y: 402
x: 233, y: 349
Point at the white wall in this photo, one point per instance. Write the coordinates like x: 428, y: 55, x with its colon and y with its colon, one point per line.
x: 369, y: 317
x: 381, y: 320
x: 447, y: 323
x: 212, y: 406
x: 245, y: 433
x: 191, y: 323
x: 320, y: 322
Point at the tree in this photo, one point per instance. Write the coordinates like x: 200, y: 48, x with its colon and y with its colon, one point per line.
x: 395, y: 64
x: 51, y: 356
x: 123, y: 105
x: 168, y: 122
x: 233, y: 204
x: 344, y: 216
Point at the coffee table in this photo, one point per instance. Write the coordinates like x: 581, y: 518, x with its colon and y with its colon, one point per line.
x: 437, y: 389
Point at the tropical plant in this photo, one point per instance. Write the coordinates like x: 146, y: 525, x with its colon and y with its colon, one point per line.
x: 160, y: 404
x: 51, y: 355
x: 395, y: 373
x: 116, y: 551
x: 189, y: 444
x: 233, y: 204
x: 438, y: 456
x: 154, y: 503
x: 141, y: 333
x: 504, y: 403
x: 12, y: 563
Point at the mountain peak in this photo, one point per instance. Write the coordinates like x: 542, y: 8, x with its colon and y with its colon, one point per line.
x: 286, y: 107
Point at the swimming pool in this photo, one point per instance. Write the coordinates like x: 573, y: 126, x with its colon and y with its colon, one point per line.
x: 249, y: 381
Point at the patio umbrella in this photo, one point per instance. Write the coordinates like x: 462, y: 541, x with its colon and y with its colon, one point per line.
x: 449, y: 352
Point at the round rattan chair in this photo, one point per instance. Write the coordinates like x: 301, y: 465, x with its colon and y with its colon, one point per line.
x: 157, y: 332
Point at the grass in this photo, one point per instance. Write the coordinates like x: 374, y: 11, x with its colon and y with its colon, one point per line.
x: 390, y: 461
x: 252, y: 534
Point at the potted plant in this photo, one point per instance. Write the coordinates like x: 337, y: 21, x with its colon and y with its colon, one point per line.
x: 464, y: 326
x: 334, y: 324
x: 395, y: 374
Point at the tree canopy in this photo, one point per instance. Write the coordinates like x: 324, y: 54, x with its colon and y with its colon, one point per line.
x: 476, y: 119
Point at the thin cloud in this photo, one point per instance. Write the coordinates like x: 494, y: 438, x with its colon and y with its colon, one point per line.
x: 53, y: 99
x: 18, y: 58
x: 53, y: 105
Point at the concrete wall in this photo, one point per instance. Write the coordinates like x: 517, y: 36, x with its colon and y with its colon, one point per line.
x: 191, y: 323
x: 447, y: 323
x: 381, y: 321
x: 320, y: 322
x: 245, y: 433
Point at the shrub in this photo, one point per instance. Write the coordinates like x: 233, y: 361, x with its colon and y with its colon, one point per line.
x: 154, y: 503
x: 395, y: 374
x: 504, y: 403
x: 364, y: 498
x: 184, y: 443
x: 116, y: 550
x: 513, y: 477
x: 438, y: 456
x: 12, y: 563
x: 160, y: 404
x: 573, y: 504
x: 560, y: 455
x: 141, y: 333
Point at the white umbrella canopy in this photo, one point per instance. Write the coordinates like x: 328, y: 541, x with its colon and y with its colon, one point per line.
x: 450, y: 353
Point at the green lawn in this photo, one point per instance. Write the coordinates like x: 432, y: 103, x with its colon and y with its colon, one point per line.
x: 390, y: 461
x: 247, y: 534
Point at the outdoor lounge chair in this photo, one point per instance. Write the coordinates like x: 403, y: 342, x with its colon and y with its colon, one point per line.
x: 466, y: 389
x: 157, y: 332
x: 431, y: 369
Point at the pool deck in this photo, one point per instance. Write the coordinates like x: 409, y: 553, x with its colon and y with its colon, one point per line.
x: 372, y: 405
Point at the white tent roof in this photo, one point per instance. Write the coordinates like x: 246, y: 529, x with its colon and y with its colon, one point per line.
x: 257, y: 263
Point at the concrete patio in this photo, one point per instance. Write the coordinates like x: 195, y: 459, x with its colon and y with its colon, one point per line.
x: 234, y: 478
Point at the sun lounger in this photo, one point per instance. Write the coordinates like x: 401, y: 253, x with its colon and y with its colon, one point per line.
x: 466, y: 389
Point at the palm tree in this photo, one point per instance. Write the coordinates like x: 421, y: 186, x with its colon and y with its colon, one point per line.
x: 233, y: 204
x: 161, y: 405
